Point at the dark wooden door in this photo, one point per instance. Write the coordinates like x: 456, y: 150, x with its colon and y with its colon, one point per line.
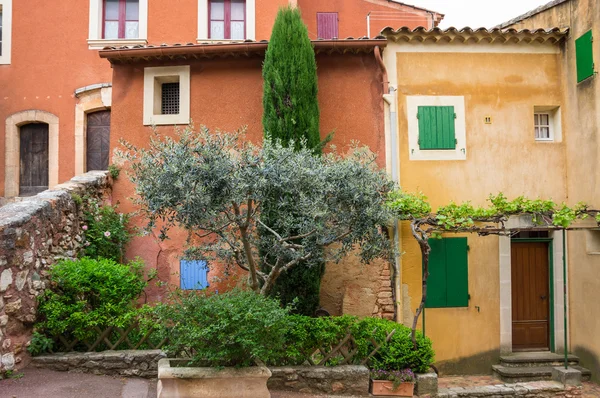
x: 530, y: 296
x: 33, y: 177
x: 98, y: 140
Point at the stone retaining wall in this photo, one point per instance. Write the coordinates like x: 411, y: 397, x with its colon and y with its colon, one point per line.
x: 140, y: 363
x: 35, y: 233
x: 339, y: 380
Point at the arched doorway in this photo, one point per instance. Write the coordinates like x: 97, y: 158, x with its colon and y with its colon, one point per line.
x: 33, y: 158
x: 98, y: 140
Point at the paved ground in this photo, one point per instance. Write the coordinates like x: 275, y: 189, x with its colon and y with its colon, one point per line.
x: 42, y: 383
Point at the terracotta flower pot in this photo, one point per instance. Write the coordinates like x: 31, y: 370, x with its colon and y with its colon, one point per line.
x: 386, y: 388
x: 175, y: 380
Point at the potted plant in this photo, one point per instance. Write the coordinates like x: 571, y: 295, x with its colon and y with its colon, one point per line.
x: 398, y: 383
x: 218, y: 344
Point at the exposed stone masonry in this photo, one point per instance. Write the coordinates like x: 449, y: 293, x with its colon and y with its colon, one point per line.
x: 384, y: 306
x: 35, y: 233
x: 536, y: 389
x: 140, y: 363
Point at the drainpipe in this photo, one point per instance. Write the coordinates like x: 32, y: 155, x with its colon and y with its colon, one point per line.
x: 565, y: 306
x: 369, y: 24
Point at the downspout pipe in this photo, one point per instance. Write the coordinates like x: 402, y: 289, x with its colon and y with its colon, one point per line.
x: 564, y: 241
x: 389, y: 95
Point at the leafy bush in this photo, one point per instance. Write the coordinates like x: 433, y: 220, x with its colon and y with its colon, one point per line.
x: 39, y: 344
x: 399, y: 353
x: 86, y: 293
x: 231, y: 329
x: 306, y: 334
x: 105, y: 231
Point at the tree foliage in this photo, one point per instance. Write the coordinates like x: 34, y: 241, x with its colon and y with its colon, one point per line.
x: 291, y: 109
x: 291, y: 115
x: 489, y: 220
x: 214, y: 185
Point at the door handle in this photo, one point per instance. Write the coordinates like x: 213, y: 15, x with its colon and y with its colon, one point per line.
x: 543, y: 297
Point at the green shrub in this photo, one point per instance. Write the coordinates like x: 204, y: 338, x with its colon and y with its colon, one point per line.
x: 105, y: 231
x: 306, y: 334
x: 232, y: 329
x: 86, y: 293
x: 399, y: 352
x: 39, y: 344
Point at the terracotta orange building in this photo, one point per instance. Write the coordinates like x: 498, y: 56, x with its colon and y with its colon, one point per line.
x: 56, y: 99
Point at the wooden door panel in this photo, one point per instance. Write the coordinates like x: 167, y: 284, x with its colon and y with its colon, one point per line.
x: 33, y: 175
x: 530, y: 295
x: 98, y: 140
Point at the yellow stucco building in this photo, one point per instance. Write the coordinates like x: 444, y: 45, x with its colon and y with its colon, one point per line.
x: 476, y: 112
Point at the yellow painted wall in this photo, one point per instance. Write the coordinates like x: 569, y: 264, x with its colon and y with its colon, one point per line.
x: 583, y: 159
x: 501, y: 157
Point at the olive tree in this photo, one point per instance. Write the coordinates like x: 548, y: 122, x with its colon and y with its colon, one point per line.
x: 213, y: 185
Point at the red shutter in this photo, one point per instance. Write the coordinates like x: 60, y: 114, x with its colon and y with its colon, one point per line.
x: 327, y: 25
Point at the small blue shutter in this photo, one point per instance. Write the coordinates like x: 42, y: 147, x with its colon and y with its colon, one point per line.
x: 193, y: 274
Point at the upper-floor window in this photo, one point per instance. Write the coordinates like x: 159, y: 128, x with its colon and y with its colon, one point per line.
x: 547, y: 123
x: 118, y: 22
x: 227, y: 19
x: 121, y: 19
x: 5, y: 30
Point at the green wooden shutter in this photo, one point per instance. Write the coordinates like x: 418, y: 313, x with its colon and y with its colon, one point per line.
x: 436, y: 127
x: 457, y: 272
x: 436, y: 283
x: 585, y: 56
x: 448, y: 283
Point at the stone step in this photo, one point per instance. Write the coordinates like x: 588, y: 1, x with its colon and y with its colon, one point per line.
x: 537, y: 359
x: 532, y: 373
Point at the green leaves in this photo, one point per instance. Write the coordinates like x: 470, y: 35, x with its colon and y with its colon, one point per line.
x: 86, y: 293
x: 232, y: 329
x: 105, y: 230
x: 466, y: 217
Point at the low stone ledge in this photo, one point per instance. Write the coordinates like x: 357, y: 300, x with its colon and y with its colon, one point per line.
x: 140, y: 363
x: 339, y: 380
x: 536, y: 389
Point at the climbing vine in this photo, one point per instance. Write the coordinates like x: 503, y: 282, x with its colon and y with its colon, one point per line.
x: 489, y: 220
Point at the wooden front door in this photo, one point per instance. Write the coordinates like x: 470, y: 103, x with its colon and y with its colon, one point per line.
x: 98, y: 140
x: 530, y: 296
x: 33, y: 177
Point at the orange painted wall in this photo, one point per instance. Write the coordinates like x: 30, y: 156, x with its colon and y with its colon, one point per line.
x: 50, y: 60
x: 352, y: 16
x: 227, y: 93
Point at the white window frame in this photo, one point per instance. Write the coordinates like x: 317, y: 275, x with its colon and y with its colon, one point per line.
x: 152, y: 94
x: 554, y: 123
x: 5, y: 58
x: 412, y: 108
x: 95, y: 40
x: 203, y: 22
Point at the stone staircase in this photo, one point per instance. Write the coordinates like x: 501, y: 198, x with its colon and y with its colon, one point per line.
x: 534, y: 366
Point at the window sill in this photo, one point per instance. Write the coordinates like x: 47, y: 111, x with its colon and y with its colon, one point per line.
x: 167, y: 120
x: 544, y: 140
x: 99, y: 44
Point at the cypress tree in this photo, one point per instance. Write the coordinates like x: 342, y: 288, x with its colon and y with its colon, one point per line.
x: 291, y: 110
x: 291, y: 114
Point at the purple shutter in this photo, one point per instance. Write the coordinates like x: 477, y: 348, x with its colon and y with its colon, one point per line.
x: 327, y: 25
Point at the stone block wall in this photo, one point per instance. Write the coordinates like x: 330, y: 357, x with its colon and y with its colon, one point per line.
x: 35, y: 233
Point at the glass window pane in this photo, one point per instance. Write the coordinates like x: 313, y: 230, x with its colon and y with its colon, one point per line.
x: 537, y: 119
x: 237, y: 10
x: 132, y: 10
x: 545, y: 132
x: 544, y: 119
x: 537, y: 132
x: 111, y: 30
x: 237, y: 30
x: 111, y: 10
x: 217, y: 10
x: 132, y: 29
x: 217, y: 30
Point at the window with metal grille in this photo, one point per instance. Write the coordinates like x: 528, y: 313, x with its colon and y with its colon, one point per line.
x: 170, y: 99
